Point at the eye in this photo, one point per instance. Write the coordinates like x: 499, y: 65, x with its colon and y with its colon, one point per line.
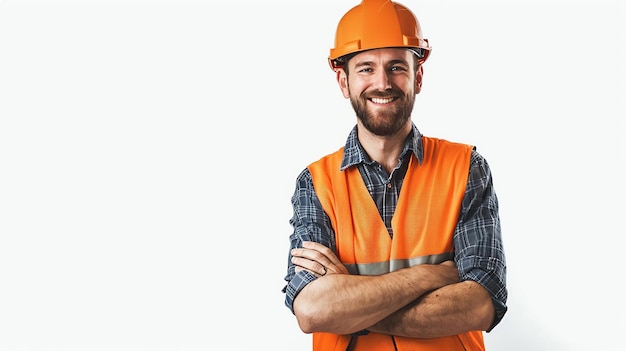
x: 398, y: 68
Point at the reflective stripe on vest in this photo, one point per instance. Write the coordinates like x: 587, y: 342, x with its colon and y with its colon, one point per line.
x: 423, y: 225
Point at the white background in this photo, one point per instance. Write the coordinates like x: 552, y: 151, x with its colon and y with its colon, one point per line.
x: 149, y: 149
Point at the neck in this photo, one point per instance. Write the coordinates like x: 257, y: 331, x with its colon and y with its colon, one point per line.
x: 383, y: 149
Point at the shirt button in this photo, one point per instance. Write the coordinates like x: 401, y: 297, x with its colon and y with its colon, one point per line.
x: 389, y: 185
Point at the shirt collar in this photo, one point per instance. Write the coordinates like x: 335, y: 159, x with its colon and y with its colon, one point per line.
x: 354, y: 154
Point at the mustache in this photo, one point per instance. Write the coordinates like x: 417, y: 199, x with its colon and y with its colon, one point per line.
x: 384, y: 94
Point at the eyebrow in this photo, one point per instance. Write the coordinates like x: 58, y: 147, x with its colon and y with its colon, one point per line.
x: 371, y: 63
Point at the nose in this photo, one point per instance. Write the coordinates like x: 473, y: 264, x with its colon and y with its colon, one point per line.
x: 381, y: 80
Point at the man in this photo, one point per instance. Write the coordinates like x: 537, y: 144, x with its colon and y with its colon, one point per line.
x: 396, y: 242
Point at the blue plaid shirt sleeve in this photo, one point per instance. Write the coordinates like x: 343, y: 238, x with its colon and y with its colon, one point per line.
x: 479, y: 252
x: 310, y: 223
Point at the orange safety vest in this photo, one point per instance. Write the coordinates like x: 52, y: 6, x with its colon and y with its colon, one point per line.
x: 423, y: 225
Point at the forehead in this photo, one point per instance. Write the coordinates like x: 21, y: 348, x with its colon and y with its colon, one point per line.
x: 383, y: 56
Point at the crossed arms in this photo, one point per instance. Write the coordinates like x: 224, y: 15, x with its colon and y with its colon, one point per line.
x: 422, y: 301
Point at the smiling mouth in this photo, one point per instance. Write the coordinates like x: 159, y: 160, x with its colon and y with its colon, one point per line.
x: 381, y: 100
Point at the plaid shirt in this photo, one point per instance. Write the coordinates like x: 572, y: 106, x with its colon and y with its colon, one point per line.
x: 479, y: 253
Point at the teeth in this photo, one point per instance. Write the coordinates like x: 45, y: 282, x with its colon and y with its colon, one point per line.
x: 381, y: 100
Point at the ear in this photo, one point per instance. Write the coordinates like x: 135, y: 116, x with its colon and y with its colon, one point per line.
x: 419, y: 75
x: 342, y: 80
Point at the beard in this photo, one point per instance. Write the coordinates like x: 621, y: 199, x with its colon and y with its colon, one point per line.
x: 388, y: 120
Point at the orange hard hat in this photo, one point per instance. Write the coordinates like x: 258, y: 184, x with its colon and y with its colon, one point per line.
x: 376, y: 24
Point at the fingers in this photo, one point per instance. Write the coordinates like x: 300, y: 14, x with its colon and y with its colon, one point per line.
x: 316, y: 246
x: 312, y: 252
x: 309, y: 265
x: 448, y: 263
x: 317, y: 259
x: 328, y: 254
